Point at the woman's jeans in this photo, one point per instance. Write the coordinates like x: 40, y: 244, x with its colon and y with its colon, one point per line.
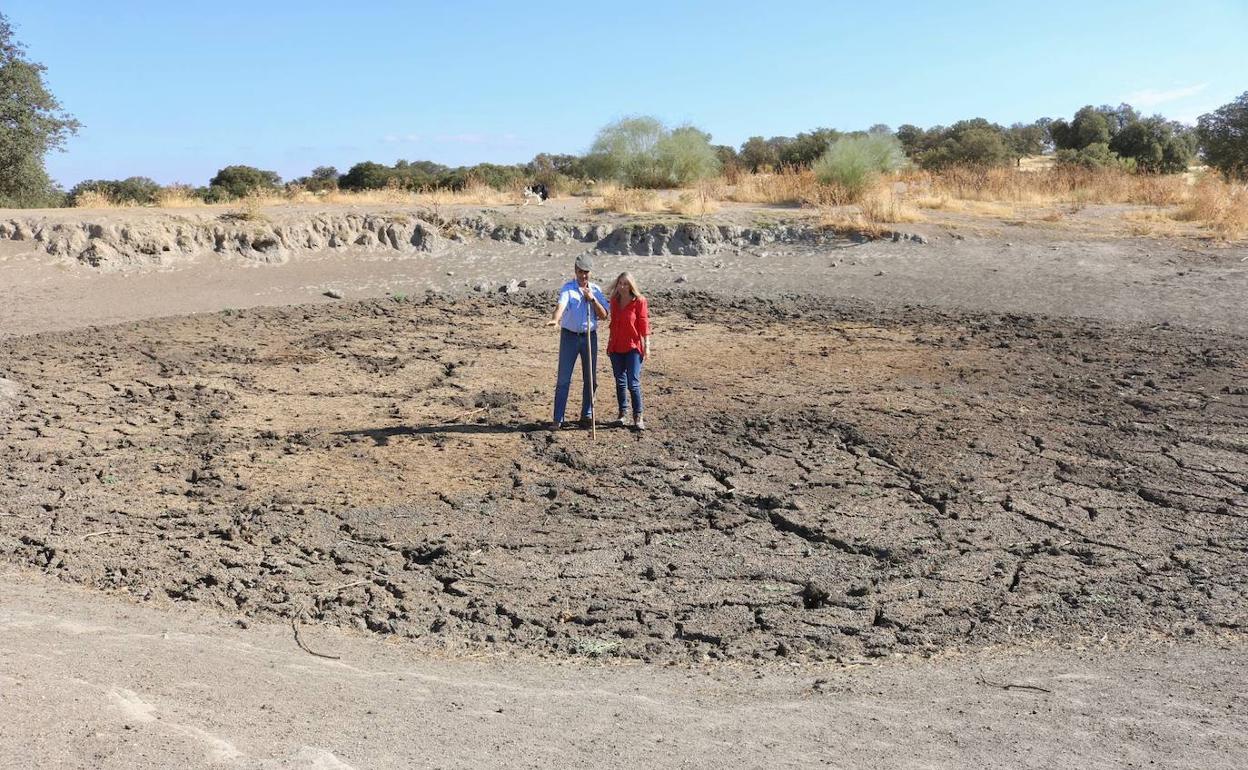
x: 627, y: 370
x: 571, y: 347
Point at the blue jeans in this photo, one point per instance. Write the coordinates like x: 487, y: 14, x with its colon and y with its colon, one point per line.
x: 627, y: 370
x: 571, y: 347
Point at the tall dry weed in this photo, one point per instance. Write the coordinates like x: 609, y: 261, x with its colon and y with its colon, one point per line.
x: 1219, y: 205
x: 94, y: 200
x: 626, y: 200
x: 787, y: 186
x: 178, y: 196
x: 884, y: 205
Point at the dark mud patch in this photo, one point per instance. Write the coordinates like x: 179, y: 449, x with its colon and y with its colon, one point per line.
x: 822, y: 480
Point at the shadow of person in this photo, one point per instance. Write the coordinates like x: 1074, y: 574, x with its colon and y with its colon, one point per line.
x: 382, y: 436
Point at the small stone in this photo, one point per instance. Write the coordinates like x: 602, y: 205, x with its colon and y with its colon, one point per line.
x: 333, y: 294
x: 480, y: 286
x: 682, y: 278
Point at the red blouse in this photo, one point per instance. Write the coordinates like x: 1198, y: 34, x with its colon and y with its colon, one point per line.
x: 629, y: 323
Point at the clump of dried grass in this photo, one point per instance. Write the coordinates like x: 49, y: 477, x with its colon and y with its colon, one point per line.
x: 625, y: 200
x: 178, y: 196
x: 884, y: 205
x: 1046, y: 186
x: 476, y: 194
x: 1221, y: 206
x: 250, y: 209
x: 785, y: 187
x: 700, y: 201
x: 387, y: 195
x: 849, y: 222
x: 94, y: 200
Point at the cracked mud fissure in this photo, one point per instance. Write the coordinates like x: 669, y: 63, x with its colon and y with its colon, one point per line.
x: 822, y: 481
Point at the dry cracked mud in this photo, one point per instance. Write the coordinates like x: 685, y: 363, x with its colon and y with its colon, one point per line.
x: 824, y: 480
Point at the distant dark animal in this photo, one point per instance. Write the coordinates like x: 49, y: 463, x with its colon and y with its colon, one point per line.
x: 537, y: 191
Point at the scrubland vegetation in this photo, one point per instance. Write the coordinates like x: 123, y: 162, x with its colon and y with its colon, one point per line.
x: 1101, y: 154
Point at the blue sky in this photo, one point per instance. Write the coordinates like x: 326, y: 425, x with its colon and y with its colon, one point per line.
x: 174, y: 92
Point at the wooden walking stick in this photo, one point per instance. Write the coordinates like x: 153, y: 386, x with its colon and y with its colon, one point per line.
x: 593, y: 375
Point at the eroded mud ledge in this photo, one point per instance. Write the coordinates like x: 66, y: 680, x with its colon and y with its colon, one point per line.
x: 156, y: 238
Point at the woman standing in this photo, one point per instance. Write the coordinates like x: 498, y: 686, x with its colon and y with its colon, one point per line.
x: 629, y: 344
x: 581, y: 306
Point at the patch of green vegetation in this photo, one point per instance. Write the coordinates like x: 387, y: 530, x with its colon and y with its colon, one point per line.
x: 595, y: 647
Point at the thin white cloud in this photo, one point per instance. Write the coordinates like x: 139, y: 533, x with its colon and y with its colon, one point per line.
x: 1151, y: 97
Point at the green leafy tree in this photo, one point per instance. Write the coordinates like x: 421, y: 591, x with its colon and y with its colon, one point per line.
x: 137, y: 190
x: 914, y: 140
x: 758, y: 154
x: 241, y: 181
x: 32, y: 123
x: 806, y: 148
x: 1156, y: 145
x: 1223, y: 136
x: 1089, y: 126
x: 1025, y: 139
x: 322, y: 178
x: 685, y: 155
x: 366, y: 175
x: 854, y: 163
x: 626, y: 151
x: 975, y: 142
x: 642, y: 152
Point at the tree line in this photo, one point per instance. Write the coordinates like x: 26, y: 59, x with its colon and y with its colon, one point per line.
x: 643, y: 152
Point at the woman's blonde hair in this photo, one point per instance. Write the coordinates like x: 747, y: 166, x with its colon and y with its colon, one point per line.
x: 625, y: 278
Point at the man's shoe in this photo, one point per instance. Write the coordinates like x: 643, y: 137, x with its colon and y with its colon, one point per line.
x: 554, y: 425
x: 639, y: 422
x: 619, y: 421
x: 586, y: 422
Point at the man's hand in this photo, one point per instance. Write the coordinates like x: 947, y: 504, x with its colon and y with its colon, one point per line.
x: 587, y: 293
x: 551, y: 322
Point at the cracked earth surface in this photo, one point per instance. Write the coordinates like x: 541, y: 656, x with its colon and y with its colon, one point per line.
x: 822, y: 481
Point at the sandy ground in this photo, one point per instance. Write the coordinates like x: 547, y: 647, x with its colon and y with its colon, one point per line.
x: 99, y: 683
x: 849, y: 509
x: 1080, y: 267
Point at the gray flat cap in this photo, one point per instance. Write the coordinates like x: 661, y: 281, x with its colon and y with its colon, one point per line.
x: 585, y: 262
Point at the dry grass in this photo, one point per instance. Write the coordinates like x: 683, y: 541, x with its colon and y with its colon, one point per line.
x: 178, y: 197
x: 948, y: 203
x: 625, y: 200
x: 786, y: 187
x: 1047, y: 186
x: 1220, y: 206
x: 849, y: 222
x: 885, y: 206
x: 700, y: 201
x: 94, y: 200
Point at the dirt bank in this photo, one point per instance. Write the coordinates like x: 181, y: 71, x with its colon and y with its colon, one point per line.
x: 824, y: 481
x: 139, y: 238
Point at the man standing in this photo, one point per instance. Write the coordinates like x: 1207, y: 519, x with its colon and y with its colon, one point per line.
x: 581, y: 306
